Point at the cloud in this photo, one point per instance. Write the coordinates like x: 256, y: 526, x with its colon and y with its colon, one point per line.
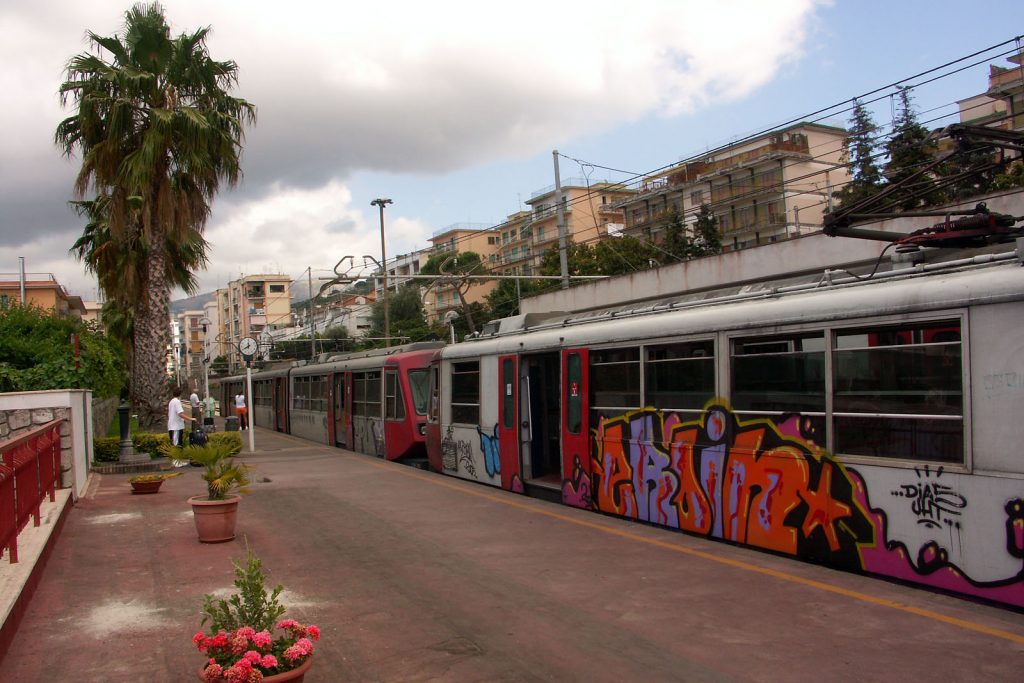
x: 421, y: 88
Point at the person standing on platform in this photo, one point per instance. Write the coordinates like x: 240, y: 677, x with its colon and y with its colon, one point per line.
x: 243, y: 420
x: 176, y: 422
x: 209, y: 410
x: 196, y: 406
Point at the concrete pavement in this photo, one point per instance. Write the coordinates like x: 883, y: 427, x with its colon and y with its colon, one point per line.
x: 414, y: 576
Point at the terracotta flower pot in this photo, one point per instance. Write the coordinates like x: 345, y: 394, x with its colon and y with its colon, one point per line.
x: 215, y: 519
x: 296, y: 675
x: 141, y: 487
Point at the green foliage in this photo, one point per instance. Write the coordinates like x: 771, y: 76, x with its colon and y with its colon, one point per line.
x: 230, y: 440
x: 909, y: 149
x: 220, y: 472
x: 707, y: 240
x: 676, y: 245
x: 106, y: 449
x: 503, y: 300
x: 37, y: 352
x: 406, y: 315
x: 250, y: 606
x: 219, y: 366
x: 861, y: 154
x: 623, y: 255
x: 1011, y: 178
x: 153, y: 443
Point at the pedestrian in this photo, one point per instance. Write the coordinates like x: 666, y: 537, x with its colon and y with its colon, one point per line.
x: 209, y: 410
x: 194, y: 402
x: 243, y: 421
x: 176, y: 422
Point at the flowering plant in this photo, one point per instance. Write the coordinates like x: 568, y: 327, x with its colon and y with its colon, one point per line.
x: 246, y: 655
x: 241, y: 646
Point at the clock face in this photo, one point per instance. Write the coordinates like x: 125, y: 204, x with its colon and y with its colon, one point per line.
x: 248, y: 346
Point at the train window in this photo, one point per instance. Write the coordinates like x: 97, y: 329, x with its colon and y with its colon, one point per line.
x: 615, y: 378
x: 394, y: 401
x: 435, y: 394
x: 300, y: 396
x: 680, y: 376
x: 366, y: 394
x: 898, y: 391
x: 466, y: 392
x: 784, y: 373
x: 573, y: 393
x: 419, y: 386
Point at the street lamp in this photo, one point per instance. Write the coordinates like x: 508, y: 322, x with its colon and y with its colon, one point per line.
x: 381, y: 202
x: 204, y: 321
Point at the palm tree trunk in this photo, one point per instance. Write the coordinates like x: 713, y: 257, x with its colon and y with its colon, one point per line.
x: 149, y: 388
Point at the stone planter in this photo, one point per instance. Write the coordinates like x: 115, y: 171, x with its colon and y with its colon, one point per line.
x: 144, y: 487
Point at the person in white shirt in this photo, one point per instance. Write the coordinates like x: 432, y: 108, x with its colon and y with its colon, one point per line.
x: 196, y: 405
x: 176, y: 419
x: 243, y: 420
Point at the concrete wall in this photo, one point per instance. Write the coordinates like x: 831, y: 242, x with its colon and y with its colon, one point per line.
x: 20, y: 411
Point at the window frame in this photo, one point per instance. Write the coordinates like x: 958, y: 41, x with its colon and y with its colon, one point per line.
x: 454, y: 385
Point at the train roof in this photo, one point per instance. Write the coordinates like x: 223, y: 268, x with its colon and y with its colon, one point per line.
x: 833, y: 295
x: 362, y: 359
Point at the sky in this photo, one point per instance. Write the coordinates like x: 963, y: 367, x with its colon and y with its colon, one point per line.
x: 452, y: 109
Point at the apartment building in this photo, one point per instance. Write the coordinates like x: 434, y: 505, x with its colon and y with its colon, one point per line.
x: 592, y: 209
x: 43, y: 291
x: 1007, y: 84
x: 772, y: 187
x: 191, y: 351
x: 454, y: 240
x: 252, y: 306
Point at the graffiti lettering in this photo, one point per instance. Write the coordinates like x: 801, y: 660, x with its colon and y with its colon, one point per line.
x: 933, y: 503
x: 749, y: 482
x: 454, y: 452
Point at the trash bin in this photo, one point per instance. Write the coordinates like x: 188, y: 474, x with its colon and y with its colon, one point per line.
x: 231, y: 423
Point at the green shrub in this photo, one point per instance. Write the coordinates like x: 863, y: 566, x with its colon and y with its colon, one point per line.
x: 151, y: 443
x: 232, y: 439
x: 106, y: 449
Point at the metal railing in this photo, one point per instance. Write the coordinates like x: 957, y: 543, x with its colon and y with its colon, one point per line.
x: 30, y: 471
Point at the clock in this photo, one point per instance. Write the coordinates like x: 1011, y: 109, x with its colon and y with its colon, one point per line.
x: 248, y: 346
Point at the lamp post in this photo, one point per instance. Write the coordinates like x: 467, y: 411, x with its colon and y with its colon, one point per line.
x: 204, y: 321
x: 381, y: 203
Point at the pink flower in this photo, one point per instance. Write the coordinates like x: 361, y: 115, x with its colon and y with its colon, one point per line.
x: 294, y: 653
x: 269, y: 662
x: 253, y: 657
x: 246, y: 632
x: 239, y: 644
x: 287, y: 623
x: 212, y: 672
x: 262, y: 639
x: 313, y: 632
x: 198, y: 639
x: 304, y: 645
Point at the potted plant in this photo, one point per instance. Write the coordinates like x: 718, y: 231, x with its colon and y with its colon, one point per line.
x: 241, y: 644
x: 215, y: 513
x: 150, y: 483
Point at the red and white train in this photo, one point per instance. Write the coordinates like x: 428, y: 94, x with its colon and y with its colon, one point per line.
x: 868, y: 424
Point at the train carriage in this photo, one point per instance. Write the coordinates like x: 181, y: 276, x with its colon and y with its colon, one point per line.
x: 865, y: 424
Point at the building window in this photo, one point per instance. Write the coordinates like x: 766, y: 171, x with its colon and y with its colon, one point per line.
x: 277, y: 289
x: 697, y: 197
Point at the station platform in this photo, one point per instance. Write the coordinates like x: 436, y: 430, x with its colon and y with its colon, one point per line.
x: 413, y: 576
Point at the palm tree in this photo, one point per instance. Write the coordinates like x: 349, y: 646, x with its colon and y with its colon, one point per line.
x: 158, y: 131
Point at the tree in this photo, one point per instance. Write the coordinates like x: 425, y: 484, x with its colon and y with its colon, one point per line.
x: 676, y: 246
x: 503, y: 300
x: 158, y: 132
x: 861, y: 144
x: 407, y: 315
x: 580, y: 260
x: 37, y: 351
x: 909, y: 149
x: 707, y: 239
x: 456, y: 269
x: 623, y: 255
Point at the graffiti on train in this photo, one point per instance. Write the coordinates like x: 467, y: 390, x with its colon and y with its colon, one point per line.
x: 492, y: 451
x: 933, y: 502
x: 756, y: 482
x: 455, y: 451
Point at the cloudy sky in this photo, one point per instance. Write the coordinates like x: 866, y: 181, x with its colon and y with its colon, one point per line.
x: 452, y: 109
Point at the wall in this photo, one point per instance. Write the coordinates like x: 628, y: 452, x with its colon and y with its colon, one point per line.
x: 20, y: 411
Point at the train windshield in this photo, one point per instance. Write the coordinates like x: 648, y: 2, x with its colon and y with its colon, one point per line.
x: 419, y: 385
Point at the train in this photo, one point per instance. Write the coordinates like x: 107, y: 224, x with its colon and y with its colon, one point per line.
x: 864, y: 423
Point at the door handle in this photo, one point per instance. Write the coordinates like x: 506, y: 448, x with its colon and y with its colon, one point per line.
x: 525, y: 424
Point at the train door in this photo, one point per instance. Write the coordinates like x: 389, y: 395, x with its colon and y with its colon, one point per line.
x: 340, y: 404
x: 281, y: 404
x: 508, y: 424
x: 433, y: 428
x: 540, y: 419
x: 575, y: 428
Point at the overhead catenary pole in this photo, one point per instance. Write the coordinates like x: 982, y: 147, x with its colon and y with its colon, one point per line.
x: 312, y: 324
x: 249, y: 405
x: 381, y: 202
x: 563, y: 258
x: 21, y: 279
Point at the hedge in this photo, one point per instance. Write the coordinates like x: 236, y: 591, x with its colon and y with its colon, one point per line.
x: 108, y: 448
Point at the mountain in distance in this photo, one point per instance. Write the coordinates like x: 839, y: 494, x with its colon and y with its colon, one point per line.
x: 192, y: 303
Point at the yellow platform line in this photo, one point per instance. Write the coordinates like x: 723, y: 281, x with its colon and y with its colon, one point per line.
x: 738, y: 564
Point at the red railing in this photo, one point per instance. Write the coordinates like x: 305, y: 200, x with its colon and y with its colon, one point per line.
x: 29, y: 472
